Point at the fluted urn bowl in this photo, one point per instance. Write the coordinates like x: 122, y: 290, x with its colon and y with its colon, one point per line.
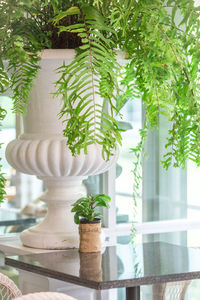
x: 52, y: 157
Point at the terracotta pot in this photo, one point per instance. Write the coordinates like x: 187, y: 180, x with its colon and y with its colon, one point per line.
x: 90, y: 236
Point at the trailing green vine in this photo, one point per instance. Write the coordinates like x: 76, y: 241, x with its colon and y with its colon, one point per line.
x: 2, y: 178
x: 162, y: 65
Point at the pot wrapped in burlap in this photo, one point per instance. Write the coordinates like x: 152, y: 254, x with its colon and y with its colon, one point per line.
x: 90, y: 266
x: 90, y: 235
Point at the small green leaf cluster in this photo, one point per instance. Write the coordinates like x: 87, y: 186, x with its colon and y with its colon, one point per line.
x: 86, y: 207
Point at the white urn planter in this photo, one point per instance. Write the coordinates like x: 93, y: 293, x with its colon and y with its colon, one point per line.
x: 42, y: 151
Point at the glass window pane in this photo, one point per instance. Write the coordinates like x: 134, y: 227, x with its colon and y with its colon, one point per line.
x: 166, y: 195
x: 20, y: 188
x: 132, y: 114
x: 171, y: 194
x: 164, y: 192
x: 193, y: 195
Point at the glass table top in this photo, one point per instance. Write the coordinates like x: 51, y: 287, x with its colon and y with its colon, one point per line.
x: 117, y: 266
x: 9, y: 217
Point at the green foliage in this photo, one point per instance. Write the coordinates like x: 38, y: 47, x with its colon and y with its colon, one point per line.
x: 86, y: 207
x: 19, y: 44
x: 162, y: 65
x: 138, y: 152
x: 2, y: 178
x: 161, y: 42
x: 87, y: 78
x: 25, y: 29
x: 133, y: 234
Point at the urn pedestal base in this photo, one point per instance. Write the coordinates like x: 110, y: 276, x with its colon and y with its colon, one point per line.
x: 52, y: 241
x: 57, y: 230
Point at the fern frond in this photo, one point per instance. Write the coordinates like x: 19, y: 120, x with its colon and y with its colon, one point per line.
x: 4, y: 79
x: 85, y: 79
x: 22, y: 82
x: 21, y: 39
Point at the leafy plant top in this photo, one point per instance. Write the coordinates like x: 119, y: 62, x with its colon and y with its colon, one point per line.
x: 90, y: 83
x: 86, y: 207
x: 161, y: 42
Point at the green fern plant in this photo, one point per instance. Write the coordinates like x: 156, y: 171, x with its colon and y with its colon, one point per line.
x: 86, y: 78
x: 162, y: 67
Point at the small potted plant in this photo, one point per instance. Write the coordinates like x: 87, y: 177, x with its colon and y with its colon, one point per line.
x: 88, y: 218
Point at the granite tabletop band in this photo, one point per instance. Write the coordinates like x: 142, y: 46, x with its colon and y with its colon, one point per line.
x: 128, y: 266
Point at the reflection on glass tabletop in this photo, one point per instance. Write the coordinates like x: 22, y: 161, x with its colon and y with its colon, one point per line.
x: 117, y: 266
x: 9, y: 217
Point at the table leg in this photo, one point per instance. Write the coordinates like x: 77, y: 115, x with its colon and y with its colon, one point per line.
x: 133, y: 293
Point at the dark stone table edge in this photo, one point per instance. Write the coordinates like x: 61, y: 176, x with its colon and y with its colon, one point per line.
x: 52, y: 274
x: 150, y: 280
